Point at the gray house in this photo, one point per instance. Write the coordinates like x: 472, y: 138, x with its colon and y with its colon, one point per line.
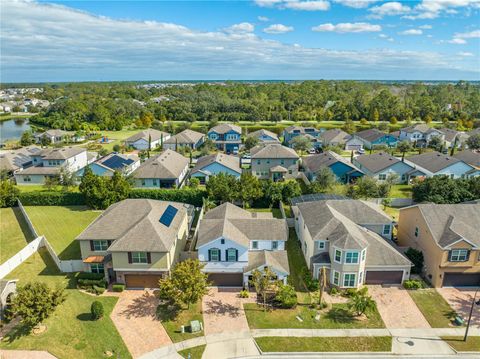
x: 274, y: 161
x: 186, y: 138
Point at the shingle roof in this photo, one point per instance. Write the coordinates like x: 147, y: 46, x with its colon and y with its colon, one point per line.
x: 370, y: 135
x: 228, y: 161
x: 273, y: 150
x: 449, y: 133
x: 420, y: 127
x: 334, y: 135
x: 273, y: 259
x: 469, y: 156
x: 325, y: 159
x: 167, y: 165
x: 263, y: 132
x: 382, y: 252
x: 185, y: 137
x: 155, y: 135
x: 376, y: 161
x: 13, y: 160
x: 62, y: 153
x: 40, y: 170
x: 240, y: 226
x: 449, y: 223
x: 433, y: 161
x: 133, y: 225
x: 56, y: 133
x: 117, y: 161
x: 290, y: 129
x: 225, y: 127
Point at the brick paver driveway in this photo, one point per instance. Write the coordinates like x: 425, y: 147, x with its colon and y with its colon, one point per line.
x: 134, y: 316
x: 460, y: 299
x: 397, y: 308
x: 223, y: 311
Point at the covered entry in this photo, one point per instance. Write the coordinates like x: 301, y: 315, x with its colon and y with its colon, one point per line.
x: 461, y: 280
x: 142, y: 280
x: 384, y: 277
x: 226, y: 279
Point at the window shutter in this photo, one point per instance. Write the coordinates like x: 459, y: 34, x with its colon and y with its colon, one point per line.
x: 236, y: 255
x: 219, y: 255
x: 209, y: 255
x: 149, y: 258
x: 468, y: 256
x: 129, y: 257
x: 109, y: 243
x: 449, y: 256
x: 91, y: 246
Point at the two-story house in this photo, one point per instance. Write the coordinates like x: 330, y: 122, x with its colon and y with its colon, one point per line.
x: 264, y: 136
x: 226, y: 137
x: 12, y: 161
x: 48, y: 163
x: 274, y: 161
x: 344, y: 171
x: 438, y: 164
x: 311, y: 133
x: 143, y: 139
x: 186, y: 138
x: 107, y: 165
x: 420, y: 134
x: 334, y: 137
x: 211, y: 165
x: 453, y: 137
x: 472, y: 158
x: 373, y: 138
x: 233, y: 242
x: 447, y: 235
x: 136, y: 241
x: 351, y: 240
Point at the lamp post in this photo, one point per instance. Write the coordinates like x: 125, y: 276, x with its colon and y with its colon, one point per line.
x: 470, y: 315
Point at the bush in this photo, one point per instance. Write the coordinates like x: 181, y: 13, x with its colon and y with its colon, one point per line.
x: 118, y: 287
x: 98, y: 290
x: 350, y: 292
x: 8, y: 194
x: 286, y: 296
x: 333, y: 291
x: 244, y: 294
x: 88, y: 275
x: 51, y: 198
x: 192, y: 196
x: 416, y: 257
x: 96, y: 310
x: 413, y: 284
x: 312, y: 284
x: 88, y: 283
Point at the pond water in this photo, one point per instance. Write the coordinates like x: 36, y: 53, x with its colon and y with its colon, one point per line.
x: 13, y: 129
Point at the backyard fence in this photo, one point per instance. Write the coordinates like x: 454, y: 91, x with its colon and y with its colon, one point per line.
x: 20, y: 257
x: 395, y: 202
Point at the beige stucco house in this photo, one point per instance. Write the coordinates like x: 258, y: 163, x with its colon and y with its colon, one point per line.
x: 136, y: 241
x: 448, y: 236
x: 274, y: 161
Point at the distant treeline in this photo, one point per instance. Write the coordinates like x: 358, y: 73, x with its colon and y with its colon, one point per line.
x: 111, y: 106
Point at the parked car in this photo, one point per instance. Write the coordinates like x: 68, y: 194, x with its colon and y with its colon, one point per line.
x: 247, y: 156
x: 361, y: 151
x: 312, y: 151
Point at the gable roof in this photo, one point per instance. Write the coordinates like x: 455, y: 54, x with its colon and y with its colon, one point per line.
x: 376, y: 161
x: 240, y: 226
x: 61, y: 153
x: 225, y: 127
x: 420, y: 127
x: 470, y: 157
x: 145, y: 134
x: 263, y: 132
x: 117, y: 161
x: 228, y: 161
x: 55, y: 133
x: 449, y: 134
x: 12, y: 160
x: 335, y: 135
x: 301, y: 129
x: 185, y: 137
x: 449, y: 223
x: 433, y: 161
x: 325, y: 159
x: 371, y: 134
x: 273, y: 150
x: 273, y: 259
x: 133, y: 225
x: 168, y: 164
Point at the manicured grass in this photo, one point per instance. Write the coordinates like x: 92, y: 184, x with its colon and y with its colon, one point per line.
x: 401, y: 191
x: 325, y: 344
x: 288, y: 210
x: 172, y: 322
x: 433, y: 307
x: 61, y: 225
x: 471, y: 345
x: 195, y: 352
x: 42, y: 188
x: 392, y: 212
x: 296, y: 262
x: 70, y: 331
x: 118, y: 137
x: 14, y: 233
x: 275, y: 211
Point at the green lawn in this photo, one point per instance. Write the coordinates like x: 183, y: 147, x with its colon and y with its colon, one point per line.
x: 172, y: 323
x: 118, y: 137
x: 288, y: 210
x: 42, y: 188
x: 325, y: 344
x: 433, y: 307
x: 401, y: 191
x: 61, y: 225
x: 471, y: 345
x: 195, y: 352
x: 392, y: 212
x: 70, y: 332
x: 275, y: 211
x: 14, y: 233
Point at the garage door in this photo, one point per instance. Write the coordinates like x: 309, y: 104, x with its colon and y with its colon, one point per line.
x: 461, y: 279
x: 384, y: 277
x: 226, y: 279
x: 142, y: 281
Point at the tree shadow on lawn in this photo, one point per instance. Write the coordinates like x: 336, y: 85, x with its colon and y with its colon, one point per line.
x: 167, y: 312
x: 340, y: 315
x: 85, y: 317
x: 16, y: 333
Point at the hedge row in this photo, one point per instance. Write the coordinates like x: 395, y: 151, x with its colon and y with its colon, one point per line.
x: 185, y: 195
x: 51, y: 198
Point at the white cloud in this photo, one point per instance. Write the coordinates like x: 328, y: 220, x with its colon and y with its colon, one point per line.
x: 243, y: 27
x: 389, y: 9
x: 425, y: 27
x: 459, y: 38
x: 49, y: 42
x: 277, y: 29
x: 357, y: 4
x: 263, y: 18
x: 411, y: 32
x: 465, y: 54
x: 347, y: 27
x: 457, y: 41
x: 267, y: 3
x: 431, y: 9
x: 307, y: 5
x: 386, y: 37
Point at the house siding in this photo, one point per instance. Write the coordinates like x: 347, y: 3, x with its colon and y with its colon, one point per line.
x: 261, y: 167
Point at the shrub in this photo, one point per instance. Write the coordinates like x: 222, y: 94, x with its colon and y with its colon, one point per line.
x: 87, y: 283
x: 333, y: 291
x: 286, y: 296
x: 244, y: 293
x: 416, y: 257
x: 88, y: 275
x: 8, y: 193
x: 192, y: 196
x: 413, y: 284
x: 98, y: 290
x: 350, y: 292
x: 96, y: 310
x: 312, y: 284
x: 118, y: 287
x: 51, y: 198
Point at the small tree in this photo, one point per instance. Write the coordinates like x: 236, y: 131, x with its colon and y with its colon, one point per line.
x: 360, y: 302
x: 273, y: 192
x: 324, y: 181
x: 290, y: 188
x: 35, y: 302
x: 301, y: 144
x: 403, y: 147
x: 249, y: 188
x: 222, y: 187
x: 8, y: 193
x: 251, y: 142
x: 366, y: 187
x: 27, y: 138
x: 96, y: 310
x: 436, y: 143
x: 193, y: 182
x: 473, y: 142
x: 416, y: 257
x: 66, y: 178
x: 262, y: 282
x: 286, y: 296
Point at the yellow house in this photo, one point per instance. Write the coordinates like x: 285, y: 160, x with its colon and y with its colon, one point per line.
x: 449, y: 238
x: 136, y: 241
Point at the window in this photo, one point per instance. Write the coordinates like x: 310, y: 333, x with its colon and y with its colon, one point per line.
x: 214, y: 255
x: 143, y: 182
x: 154, y: 181
x: 338, y: 256
x: 27, y: 179
x: 282, y: 162
x: 255, y: 245
x: 386, y: 229
x: 351, y: 257
x: 382, y: 176
x: 321, y: 244
x: 459, y: 255
x: 336, y: 277
x: 222, y: 241
x: 139, y: 257
x: 360, y: 278
x: 274, y: 245
x: 268, y: 161
x: 97, y: 268
x: 258, y: 162
x: 231, y: 255
x: 363, y: 255
x: 349, y: 280
x: 100, y: 245
x: 416, y: 231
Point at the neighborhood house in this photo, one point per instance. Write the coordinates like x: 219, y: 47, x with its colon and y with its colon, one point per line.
x: 274, y: 161
x: 214, y: 164
x: 186, y: 138
x: 142, y: 139
x: 344, y: 171
x: 226, y: 137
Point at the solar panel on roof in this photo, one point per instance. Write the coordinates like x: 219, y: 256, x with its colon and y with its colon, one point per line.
x: 115, y: 162
x: 168, y: 216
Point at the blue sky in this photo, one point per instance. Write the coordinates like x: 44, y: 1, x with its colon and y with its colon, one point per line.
x: 262, y: 39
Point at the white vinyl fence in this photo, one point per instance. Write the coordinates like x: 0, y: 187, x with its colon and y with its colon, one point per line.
x: 20, y: 257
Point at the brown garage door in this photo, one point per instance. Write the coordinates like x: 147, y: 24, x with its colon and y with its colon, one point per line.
x: 226, y: 279
x: 384, y: 277
x: 461, y: 279
x: 142, y: 281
